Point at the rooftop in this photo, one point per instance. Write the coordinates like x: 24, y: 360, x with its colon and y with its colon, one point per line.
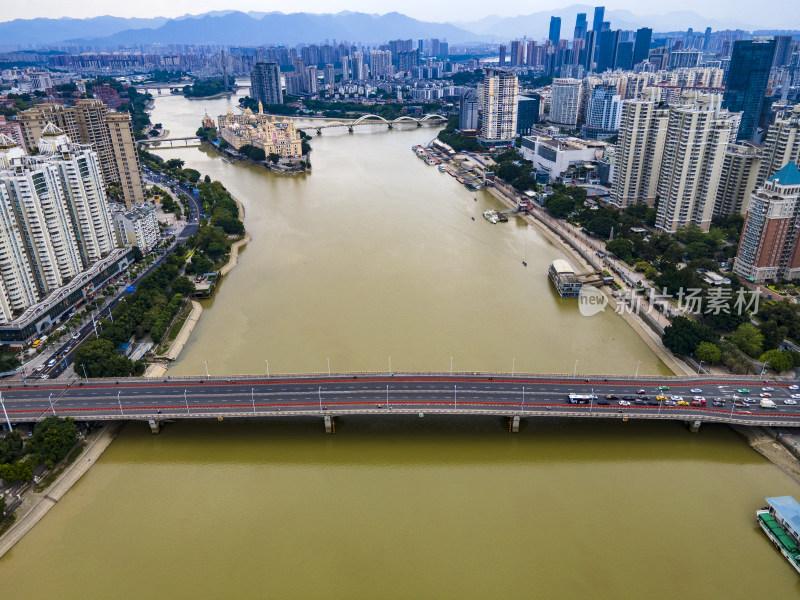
x: 788, y: 175
x: 787, y: 508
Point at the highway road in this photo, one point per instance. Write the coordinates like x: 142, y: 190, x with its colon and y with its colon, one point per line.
x: 500, y: 395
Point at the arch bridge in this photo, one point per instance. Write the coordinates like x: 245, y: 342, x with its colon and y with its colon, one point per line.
x: 373, y: 119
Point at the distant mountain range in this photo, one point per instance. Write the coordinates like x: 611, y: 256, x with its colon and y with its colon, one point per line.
x: 255, y: 28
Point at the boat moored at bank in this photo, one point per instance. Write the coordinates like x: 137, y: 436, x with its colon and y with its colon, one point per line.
x: 781, y: 522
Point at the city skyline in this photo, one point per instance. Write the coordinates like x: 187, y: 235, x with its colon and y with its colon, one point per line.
x: 775, y: 13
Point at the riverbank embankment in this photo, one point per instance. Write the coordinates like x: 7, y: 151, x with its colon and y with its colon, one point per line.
x: 646, y: 333
x: 37, y: 504
x: 773, y: 446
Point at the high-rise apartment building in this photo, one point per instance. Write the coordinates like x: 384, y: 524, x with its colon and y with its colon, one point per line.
x: 684, y: 59
x: 498, y: 101
x: 698, y: 133
x: 358, y: 66
x: 265, y: 83
x: 640, y: 147
x: 555, y: 30
x: 329, y: 77
x: 517, y: 54
x: 747, y: 81
x: 57, y: 221
x: 90, y: 122
x: 565, y: 96
x: 781, y: 145
x: 737, y: 179
x: 768, y: 247
x: 380, y: 63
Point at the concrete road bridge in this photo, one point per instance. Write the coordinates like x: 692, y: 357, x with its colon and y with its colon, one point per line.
x: 182, y: 142
x: 373, y: 119
x: 328, y: 396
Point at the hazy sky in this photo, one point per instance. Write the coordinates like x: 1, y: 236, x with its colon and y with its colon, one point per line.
x: 442, y: 10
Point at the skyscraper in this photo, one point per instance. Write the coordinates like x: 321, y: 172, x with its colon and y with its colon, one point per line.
x: 783, y: 50
x: 781, y: 145
x: 597, y: 22
x: 641, y: 48
x: 748, y: 77
x: 502, y: 59
x: 468, y: 111
x: 604, y: 111
x: 623, y: 58
x: 581, y: 27
x: 527, y: 113
x: 265, y: 83
x: 498, y: 101
x: 555, y: 30
x: 607, y: 50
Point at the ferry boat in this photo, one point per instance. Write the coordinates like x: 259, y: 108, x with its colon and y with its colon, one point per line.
x: 491, y: 216
x: 781, y: 522
x: 564, y: 279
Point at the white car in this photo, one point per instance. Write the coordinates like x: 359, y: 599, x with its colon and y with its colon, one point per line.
x: 676, y: 398
x: 624, y: 403
x: 696, y: 391
x: 671, y: 402
x: 40, y: 367
x: 790, y: 401
x: 62, y: 328
x: 767, y: 389
x: 796, y: 396
x: 698, y: 398
x: 794, y: 387
x: 76, y: 336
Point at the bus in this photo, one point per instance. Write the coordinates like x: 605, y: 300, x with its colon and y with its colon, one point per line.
x: 581, y: 398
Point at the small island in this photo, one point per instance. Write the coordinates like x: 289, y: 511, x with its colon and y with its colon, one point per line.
x: 259, y: 138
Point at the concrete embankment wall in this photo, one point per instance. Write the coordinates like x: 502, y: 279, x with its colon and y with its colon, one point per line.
x: 37, y: 505
x: 648, y: 330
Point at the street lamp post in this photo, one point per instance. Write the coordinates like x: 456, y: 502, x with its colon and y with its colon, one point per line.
x: 120, y: 403
x: 387, y: 397
x: 591, y: 401
x: 513, y: 366
x: 455, y: 397
x: 84, y: 373
x: 320, y: 398
x: 329, y: 367
x: 699, y: 367
x: 575, y: 370
x: 208, y: 376
x: 390, y: 365
x: 267, y: 363
x: 451, y: 366
x: 8, y: 422
x: 638, y: 364
x: 50, y: 398
x: 253, y: 398
x: 186, y: 402
x: 523, y: 398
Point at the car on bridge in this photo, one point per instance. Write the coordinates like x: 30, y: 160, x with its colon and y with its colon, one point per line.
x: 670, y: 402
x: 718, y: 402
x: 790, y: 401
x: 641, y: 392
x: 682, y: 403
x: 766, y: 395
x: 624, y: 403
x: 696, y: 391
x: 743, y: 391
x: 698, y: 401
x: 612, y: 397
x: 663, y: 388
x: 794, y: 387
x: 767, y: 389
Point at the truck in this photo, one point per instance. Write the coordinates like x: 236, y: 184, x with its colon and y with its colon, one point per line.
x: 767, y: 403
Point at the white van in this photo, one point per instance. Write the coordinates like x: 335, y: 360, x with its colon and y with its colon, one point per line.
x: 767, y: 403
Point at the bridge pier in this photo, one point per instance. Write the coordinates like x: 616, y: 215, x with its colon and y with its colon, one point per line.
x: 155, y: 426
x: 513, y: 424
x: 390, y: 125
x: 419, y: 124
x: 319, y: 131
x: 694, y: 426
x: 330, y: 427
x: 349, y: 129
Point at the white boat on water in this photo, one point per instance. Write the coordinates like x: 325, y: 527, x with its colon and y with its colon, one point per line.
x: 491, y: 216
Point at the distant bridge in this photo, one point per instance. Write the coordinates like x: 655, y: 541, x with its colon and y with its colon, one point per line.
x: 185, y: 141
x: 373, y: 119
x: 178, y: 86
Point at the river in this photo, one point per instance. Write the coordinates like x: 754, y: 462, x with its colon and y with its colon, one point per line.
x: 408, y: 507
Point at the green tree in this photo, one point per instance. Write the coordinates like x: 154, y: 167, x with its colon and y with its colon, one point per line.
x: 10, y: 447
x: 273, y: 158
x: 748, y: 339
x: 253, y: 153
x: 52, y: 439
x: 684, y: 335
x: 559, y: 205
x: 601, y: 226
x: 708, y: 353
x: 777, y: 360
x: 175, y: 163
x: 621, y: 247
x: 184, y: 286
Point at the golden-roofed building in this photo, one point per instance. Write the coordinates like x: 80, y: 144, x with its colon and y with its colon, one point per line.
x: 262, y: 131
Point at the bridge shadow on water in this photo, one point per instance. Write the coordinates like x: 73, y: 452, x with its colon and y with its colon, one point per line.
x: 432, y: 439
